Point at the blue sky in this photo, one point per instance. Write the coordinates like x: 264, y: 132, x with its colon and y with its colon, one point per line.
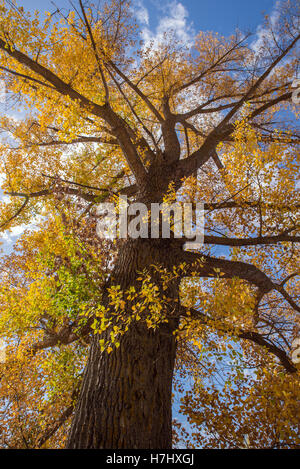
x: 218, y: 15
x: 214, y: 15
x: 186, y: 17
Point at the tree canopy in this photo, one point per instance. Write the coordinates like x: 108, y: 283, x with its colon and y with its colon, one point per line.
x: 97, y: 114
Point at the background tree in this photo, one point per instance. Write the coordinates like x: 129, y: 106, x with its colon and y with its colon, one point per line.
x: 101, y: 116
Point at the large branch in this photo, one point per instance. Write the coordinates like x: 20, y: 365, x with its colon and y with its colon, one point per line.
x: 251, y: 336
x: 18, y: 212
x: 66, y: 335
x: 105, y: 112
x: 66, y: 190
x: 189, y: 165
x: 171, y: 141
x: 270, y: 103
x: 225, y: 241
x: 256, y: 85
x: 198, y: 158
x: 248, y: 204
x: 82, y: 139
x: 137, y: 90
x: 88, y: 196
x: 212, y: 267
x: 203, y: 109
x: 212, y: 68
x: 94, y: 46
x: 52, y: 428
x: 206, y: 266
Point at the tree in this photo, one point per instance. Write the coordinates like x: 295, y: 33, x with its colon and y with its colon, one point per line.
x: 103, y: 115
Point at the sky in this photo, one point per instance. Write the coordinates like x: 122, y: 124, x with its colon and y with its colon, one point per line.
x: 186, y: 17
x: 218, y: 15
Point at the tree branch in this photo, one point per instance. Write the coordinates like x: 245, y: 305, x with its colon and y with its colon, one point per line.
x: 66, y: 335
x: 103, y: 111
x: 250, y: 241
x: 251, y: 336
x: 17, y: 212
x: 206, y: 266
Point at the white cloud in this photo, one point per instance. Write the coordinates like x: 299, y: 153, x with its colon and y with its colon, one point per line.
x: 141, y: 12
x: 262, y: 32
x: 173, y: 18
x: 9, y: 236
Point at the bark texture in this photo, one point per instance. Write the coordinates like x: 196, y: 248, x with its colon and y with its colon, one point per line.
x: 126, y: 396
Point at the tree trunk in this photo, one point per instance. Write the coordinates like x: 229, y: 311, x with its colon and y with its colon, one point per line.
x: 126, y: 396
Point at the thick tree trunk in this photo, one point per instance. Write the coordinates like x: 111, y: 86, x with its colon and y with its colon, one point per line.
x: 126, y: 395
x: 125, y: 400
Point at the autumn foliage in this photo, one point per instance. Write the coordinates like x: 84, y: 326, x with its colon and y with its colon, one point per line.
x: 98, y: 114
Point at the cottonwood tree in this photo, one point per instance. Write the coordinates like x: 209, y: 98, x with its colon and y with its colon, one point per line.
x: 96, y: 330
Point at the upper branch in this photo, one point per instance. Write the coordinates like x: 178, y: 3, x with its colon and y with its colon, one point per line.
x: 250, y: 241
x: 119, y: 127
x: 206, y: 266
x: 257, y: 83
x: 225, y: 128
x: 249, y: 335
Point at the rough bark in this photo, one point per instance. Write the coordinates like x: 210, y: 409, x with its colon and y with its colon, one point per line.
x: 126, y: 396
